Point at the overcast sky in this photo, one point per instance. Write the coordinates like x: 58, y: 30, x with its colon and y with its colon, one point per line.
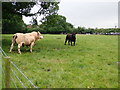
x: 88, y: 13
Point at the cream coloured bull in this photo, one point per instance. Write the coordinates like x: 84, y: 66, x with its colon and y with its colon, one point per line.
x: 27, y: 39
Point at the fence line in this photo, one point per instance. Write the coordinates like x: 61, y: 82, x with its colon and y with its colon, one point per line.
x: 14, y: 66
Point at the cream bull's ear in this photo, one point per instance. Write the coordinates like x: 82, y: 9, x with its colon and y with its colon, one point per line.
x: 38, y: 33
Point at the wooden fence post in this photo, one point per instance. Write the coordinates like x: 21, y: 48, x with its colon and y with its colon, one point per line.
x: 7, y: 72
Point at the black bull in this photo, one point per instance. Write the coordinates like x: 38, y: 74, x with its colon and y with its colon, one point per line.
x: 70, y: 38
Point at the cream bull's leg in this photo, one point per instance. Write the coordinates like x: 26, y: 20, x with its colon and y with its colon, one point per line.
x: 11, y: 47
x: 19, y: 45
x: 32, y: 44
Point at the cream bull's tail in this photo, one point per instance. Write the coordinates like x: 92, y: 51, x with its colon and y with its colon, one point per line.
x: 14, y: 38
x: 13, y: 41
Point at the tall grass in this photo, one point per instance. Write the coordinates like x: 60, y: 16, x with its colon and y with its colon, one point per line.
x: 89, y: 64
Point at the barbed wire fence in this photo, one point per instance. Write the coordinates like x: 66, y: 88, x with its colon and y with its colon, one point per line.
x: 12, y: 76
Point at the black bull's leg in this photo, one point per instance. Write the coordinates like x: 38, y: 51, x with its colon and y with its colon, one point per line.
x: 71, y: 43
x: 70, y: 38
x: 65, y: 41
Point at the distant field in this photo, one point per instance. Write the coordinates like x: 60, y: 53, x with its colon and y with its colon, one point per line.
x: 89, y: 64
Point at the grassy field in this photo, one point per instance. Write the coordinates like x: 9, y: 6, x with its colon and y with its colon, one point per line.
x: 0, y: 73
x: 89, y: 64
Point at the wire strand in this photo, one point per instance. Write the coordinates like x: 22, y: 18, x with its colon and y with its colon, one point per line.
x: 1, y: 53
x: 18, y: 78
x: 13, y: 82
x: 4, y: 54
x: 26, y: 83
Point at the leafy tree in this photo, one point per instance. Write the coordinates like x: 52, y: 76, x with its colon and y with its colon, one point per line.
x: 13, y: 11
x: 90, y: 30
x: 56, y: 24
x: 81, y: 30
x: 12, y: 25
x: 12, y: 16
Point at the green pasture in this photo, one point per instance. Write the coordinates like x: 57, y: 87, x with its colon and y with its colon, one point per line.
x: 92, y: 63
x: 0, y: 79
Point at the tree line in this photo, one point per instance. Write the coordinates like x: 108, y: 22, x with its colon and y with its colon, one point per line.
x: 51, y: 23
x: 56, y: 24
